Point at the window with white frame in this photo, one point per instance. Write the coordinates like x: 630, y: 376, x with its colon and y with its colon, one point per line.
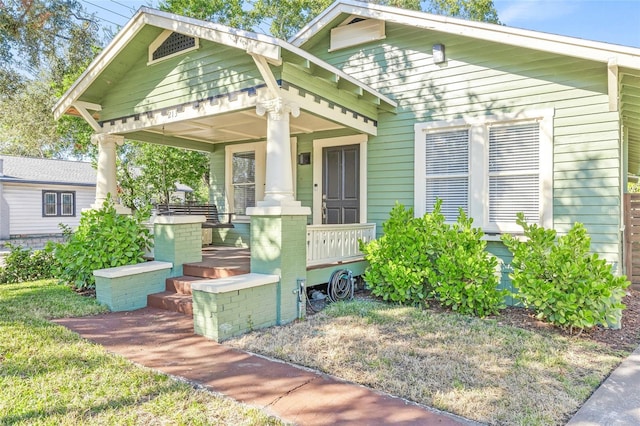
x: 447, y: 171
x: 58, y: 203
x: 245, y: 173
x: 492, y: 167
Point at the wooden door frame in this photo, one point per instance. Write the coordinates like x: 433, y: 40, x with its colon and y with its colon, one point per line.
x: 318, y: 146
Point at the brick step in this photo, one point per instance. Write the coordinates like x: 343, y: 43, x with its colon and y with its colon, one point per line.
x: 204, y: 270
x: 171, y: 301
x: 181, y: 285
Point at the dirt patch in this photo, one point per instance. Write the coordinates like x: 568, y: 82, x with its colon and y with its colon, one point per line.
x: 626, y: 338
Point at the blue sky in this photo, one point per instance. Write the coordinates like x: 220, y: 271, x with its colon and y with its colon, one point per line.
x: 611, y: 21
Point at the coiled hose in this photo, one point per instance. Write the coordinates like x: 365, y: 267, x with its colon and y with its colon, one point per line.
x: 341, y: 285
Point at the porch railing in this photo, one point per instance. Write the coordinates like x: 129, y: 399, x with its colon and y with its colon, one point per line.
x: 333, y: 243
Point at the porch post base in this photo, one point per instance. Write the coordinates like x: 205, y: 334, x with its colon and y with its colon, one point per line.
x: 178, y: 239
x: 278, y: 247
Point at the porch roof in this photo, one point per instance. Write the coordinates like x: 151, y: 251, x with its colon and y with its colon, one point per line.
x: 328, y: 98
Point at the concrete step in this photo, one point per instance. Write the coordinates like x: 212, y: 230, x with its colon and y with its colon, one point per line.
x: 204, y: 270
x: 171, y: 301
x: 181, y: 285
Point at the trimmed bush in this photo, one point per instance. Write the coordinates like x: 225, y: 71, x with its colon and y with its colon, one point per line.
x: 24, y: 264
x: 561, y: 280
x: 421, y: 258
x: 104, y: 239
x: 465, y: 274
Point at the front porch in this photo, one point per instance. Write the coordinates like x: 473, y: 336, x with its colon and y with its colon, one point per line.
x: 230, y: 290
x: 329, y: 248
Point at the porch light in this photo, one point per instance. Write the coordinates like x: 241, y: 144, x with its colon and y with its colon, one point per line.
x: 438, y: 53
x: 304, y: 158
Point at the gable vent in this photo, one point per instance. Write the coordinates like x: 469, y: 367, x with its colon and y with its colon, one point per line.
x: 175, y: 43
x: 170, y: 44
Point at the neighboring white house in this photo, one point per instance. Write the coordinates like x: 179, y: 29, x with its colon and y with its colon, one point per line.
x: 37, y: 194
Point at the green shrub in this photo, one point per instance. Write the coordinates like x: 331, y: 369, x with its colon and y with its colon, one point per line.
x: 400, y: 260
x: 24, y: 264
x: 104, y: 239
x: 465, y: 273
x: 420, y: 258
x: 561, y: 281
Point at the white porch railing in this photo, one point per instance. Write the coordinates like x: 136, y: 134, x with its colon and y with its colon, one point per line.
x: 333, y: 243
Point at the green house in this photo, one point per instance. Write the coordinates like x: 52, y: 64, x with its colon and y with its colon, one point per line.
x: 368, y: 105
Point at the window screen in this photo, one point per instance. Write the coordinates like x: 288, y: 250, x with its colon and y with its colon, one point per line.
x: 514, y: 172
x: 447, y: 171
x: 244, y: 181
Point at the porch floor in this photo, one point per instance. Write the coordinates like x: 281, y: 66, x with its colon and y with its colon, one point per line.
x: 226, y: 257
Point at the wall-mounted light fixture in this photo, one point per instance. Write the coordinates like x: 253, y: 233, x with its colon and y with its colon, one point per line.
x: 438, y: 53
x: 304, y: 158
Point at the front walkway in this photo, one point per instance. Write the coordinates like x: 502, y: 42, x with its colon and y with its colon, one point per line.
x: 617, y: 400
x: 165, y: 341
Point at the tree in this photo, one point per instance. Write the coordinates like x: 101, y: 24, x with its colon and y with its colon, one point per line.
x: 285, y: 17
x: 55, y: 35
x: 44, y: 46
x: 148, y: 173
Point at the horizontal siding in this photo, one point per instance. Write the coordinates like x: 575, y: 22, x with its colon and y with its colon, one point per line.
x: 25, y: 208
x: 300, y: 78
x: 211, y: 70
x: 482, y: 78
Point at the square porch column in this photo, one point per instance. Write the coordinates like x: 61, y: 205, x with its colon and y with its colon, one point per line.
x: 279, y: 223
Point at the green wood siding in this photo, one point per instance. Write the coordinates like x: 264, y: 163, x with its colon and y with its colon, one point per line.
x: 482, y: 78
x: 329, y: 91
x: 211, y: 70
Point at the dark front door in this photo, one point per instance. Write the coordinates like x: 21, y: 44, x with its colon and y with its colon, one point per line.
x: 341, y: 184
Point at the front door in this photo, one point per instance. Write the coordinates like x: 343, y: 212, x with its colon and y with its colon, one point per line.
x: 341, y: 184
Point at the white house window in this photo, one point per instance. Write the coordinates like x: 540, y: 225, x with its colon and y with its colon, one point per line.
x: 514, y: 172
x: 447, y: 171
x: 492, y: 167
x: 245, y: 175
x: 244, y: 181
x: 58, y: 203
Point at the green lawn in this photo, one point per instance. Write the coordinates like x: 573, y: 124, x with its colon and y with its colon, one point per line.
x: 49, y: 376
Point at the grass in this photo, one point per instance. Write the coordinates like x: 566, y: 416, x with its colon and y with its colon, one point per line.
x: 475, y: 368
x: 49, y: 376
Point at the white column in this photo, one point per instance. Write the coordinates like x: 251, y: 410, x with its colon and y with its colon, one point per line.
x: 278, y: 192
x: 106, y: 181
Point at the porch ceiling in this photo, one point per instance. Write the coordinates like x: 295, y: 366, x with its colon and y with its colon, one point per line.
x: 203, y: 132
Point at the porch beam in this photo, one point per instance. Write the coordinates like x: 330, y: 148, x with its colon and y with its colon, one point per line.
x: 82, y: 107
x: 241, y: 100
x: 159, y: 139
x: 267, y: 74
x: 613, y: 85
x: 332, y: 112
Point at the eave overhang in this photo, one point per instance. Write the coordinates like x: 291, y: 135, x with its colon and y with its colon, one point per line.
x: 263, y: 48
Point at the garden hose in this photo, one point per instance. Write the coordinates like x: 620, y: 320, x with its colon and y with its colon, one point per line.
x: 341, y: 285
